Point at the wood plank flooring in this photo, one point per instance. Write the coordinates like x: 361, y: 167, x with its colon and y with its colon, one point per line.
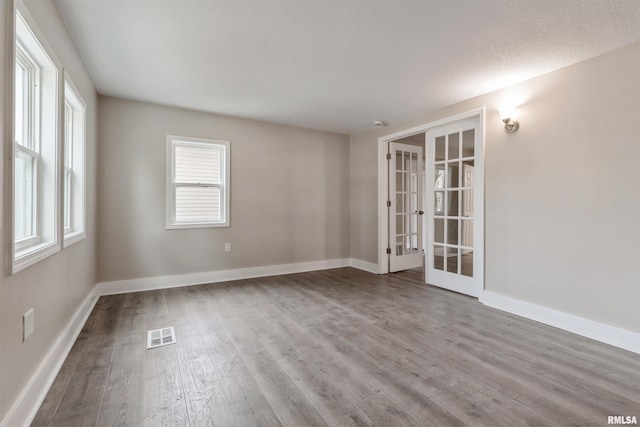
x: 337, y: 347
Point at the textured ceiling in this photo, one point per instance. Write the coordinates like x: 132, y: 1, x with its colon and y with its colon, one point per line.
x: 334, y: 65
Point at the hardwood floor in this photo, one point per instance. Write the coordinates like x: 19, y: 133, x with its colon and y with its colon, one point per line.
x: 337, y: 347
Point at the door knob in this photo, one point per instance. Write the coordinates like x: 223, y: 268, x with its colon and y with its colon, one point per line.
x: 420, y: 212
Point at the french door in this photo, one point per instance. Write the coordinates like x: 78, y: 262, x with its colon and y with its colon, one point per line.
x: 455, y: 241
x: 405, y: 206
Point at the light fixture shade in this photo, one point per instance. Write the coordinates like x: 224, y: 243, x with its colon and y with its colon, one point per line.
x: 506, y: 112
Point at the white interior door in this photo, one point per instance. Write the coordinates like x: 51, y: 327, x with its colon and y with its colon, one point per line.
x: 405, y: 207
x: 454, y: 207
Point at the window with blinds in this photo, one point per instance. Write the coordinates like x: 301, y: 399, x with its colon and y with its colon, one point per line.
x: 197, y: 183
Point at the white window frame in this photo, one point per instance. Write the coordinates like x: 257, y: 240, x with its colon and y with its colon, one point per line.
x: 41, y: 136
x: 174, y: 141
x: 74, y: 205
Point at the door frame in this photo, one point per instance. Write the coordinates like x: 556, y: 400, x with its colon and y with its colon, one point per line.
x: 383, y: 178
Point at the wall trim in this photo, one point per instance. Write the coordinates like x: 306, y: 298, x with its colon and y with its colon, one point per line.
x: 190, y: 279
x: 24, y: 409
x: 369, y: 267
x: 607, y: 334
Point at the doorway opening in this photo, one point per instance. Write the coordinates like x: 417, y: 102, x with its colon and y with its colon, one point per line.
x: 431, y: 198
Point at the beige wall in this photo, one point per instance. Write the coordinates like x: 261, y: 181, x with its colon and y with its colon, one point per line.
x: 289, y: 194
x: 55, y: 287
x: 562, y: 204
x: 562, y: 198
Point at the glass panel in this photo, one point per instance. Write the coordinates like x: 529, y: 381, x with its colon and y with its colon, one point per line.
x: 440, y: 148
x: 67, y: 198
x: 413, y: 208
x: 399, y: 202
x: 21, y: 114
x: 467, y: 173
x: 408, y: 224
x: 452, y: 260
x: 438, y: 202
x: 68, y: 135
x: 454, y: 146
x: 24, y: 206
x: 399, y: 222
x: 452, y: 231
x: 438, y: 258
x: 399, y: 181
x: 467, y: 203
x: 438, y: 230
x: 467, y: 234
x: 439, y: 178
x: 452, y: 203
x: 454, y: 174
x: 197, y: 164
x: 414, y: 243
x: 414, y: 182
x: 468, y: 137
x: 399, y: 245
x: 399, y: 160
x: 198, y: 204
x: 467, y: 264
x: 407, y: 245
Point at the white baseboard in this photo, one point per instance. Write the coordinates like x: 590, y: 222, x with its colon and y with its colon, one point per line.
x: 607, y: 334
x: 179, y: 280
x: 24, y: 409
x: 363, y: 265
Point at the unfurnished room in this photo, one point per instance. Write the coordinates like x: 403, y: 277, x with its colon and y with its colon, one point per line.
x: 320, y: 213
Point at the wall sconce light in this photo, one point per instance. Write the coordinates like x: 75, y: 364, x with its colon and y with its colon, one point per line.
x: 510, y: 125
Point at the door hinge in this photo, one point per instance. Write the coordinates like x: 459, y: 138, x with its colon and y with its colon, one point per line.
x: 388, y: 251
x: 388, y: 203
x: 388, y: 156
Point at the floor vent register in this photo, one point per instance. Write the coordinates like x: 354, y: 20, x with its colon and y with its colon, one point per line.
x: 160, y: 337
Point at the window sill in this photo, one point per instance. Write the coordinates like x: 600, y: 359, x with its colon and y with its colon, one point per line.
x: 30, y: 256
x: 179, y: 226
x: 71, y: 238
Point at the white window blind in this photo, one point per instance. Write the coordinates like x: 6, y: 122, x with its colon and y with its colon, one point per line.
x: 197, y: 185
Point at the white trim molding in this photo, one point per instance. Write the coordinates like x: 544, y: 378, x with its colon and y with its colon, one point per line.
x: 190, y: 279
x: 363, y: 265
x: 25, y: 408
x: 607, y: 334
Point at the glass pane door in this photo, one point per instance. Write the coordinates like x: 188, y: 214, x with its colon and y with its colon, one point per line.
x: 405, y: 228
x: 452, y: 206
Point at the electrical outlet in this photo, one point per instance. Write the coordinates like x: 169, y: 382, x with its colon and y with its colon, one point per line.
x: 27, y: 321
x: 227, y: 247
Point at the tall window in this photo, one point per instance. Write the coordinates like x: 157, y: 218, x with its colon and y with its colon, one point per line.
x: 197, y: 183
x: 35, y: 141
x: 27, y: 96
x: 73, y: 184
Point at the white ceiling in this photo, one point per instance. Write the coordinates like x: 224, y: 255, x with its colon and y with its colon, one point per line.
x: 334, y: 65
